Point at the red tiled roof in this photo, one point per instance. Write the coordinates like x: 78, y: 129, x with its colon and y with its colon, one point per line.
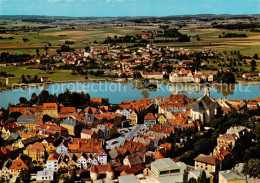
x: 150, y: 116
x: 207, y: 159
x: 101, y: 168
x: 18, y: 164
x: 50, y: 106
x: 64, y: 110
x: 158, y: 155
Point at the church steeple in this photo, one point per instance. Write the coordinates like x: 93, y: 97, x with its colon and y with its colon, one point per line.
x: 206, y: 91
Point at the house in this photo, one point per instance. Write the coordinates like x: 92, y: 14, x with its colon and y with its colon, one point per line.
x: 62, y: 148
x: 35, y: 151
x: 248, y: 75
x: 134, y: 118
x: 16, y: 167
x: 102, y: 131
x: 88, y: 118
x: 183, y: 76
x: 239, y: 131
x: 152, y: 75
x: 97, y: 170
x: 50, y: 109
x: 50, y: 148
x: 66, y: 111
x: 231, y: 176
x: 70, y: 124
x: 166, y: 167
x: 227, y: 141
x: 44, y: 79
x: 29, y: 121
x: 88, y: 134
x: 82, y: 161
x: 2, y: 64
x: 134, y: 159
x: 45, y: 175
x: 5, y: 128
x: 52, y: 162
x: 161, y: 119
x: 23, y: 110
x: 158, y: 99
x: 102, y: 157
x: 207, y: 163
x: 149, y: 143
x: 204, y: 109
x: 51, y: 129
x: 63, y: 162
x: 4, y: 172
x: 126, y: 113
x: 149, y: 119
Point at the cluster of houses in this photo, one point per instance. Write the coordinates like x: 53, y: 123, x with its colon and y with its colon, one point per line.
x: 98, y: 142
x: 125, y: 62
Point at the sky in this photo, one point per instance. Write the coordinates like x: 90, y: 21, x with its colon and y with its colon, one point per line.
x: 114, y: 8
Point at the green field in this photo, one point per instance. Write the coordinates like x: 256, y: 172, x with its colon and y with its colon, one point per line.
x: 85, y: 35
x: 57, y: 75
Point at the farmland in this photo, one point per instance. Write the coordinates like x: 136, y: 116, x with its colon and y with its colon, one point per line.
x: 86, y: 35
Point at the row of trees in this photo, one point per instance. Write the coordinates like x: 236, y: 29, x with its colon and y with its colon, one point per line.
x: 29, y: 79
x: 67, y: 99
x: 4, y: 74
x: 225, y: 77
x: 11, y: 58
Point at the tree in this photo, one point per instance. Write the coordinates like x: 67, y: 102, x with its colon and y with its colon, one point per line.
x: 192, y: 180
x: 87, y: 48
x: 164, y: 27
x: 25, y: 40
x: 14, y: 115
x: 23, y: 100
x: 252, y: 168
x: 255, y: 56
x: 73, y: 176
x: 145, y: 94
x: 25, y: 175
x: 37, y: 51
x: 185, y: 176
x: 203, y: 177
x: 253, y: 63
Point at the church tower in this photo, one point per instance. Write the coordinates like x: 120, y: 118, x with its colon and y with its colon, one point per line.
x: 206, y: 91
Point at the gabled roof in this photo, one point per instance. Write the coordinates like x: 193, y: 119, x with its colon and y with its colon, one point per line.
x: 150, y: 116
x: 101, y: 168
x: 18, y: 164
x: 207, y: 159
x: 203, y: 104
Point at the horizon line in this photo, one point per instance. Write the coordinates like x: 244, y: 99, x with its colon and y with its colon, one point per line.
x: 138, y: 15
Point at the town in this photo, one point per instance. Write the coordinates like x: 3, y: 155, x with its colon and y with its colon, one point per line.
x: 173, y: 139
x: 127, y: 91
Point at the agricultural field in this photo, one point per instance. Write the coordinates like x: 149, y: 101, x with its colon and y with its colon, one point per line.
x: 86, y: 35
